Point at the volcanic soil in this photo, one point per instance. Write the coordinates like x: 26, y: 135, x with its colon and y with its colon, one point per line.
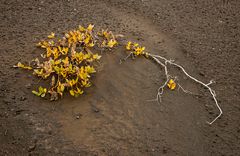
x: 115, y: 116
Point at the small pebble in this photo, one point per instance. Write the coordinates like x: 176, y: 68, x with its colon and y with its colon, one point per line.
x: 28, y: 86
x: 31, y: 147
x: 22, y: 98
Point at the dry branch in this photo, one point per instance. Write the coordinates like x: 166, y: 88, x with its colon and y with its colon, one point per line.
x: 162, y: 61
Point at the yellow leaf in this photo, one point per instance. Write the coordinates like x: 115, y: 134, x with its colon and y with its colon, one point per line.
x: 83, y: 75
x: 139, y: 50
x: 86, y: 83
x: 111, y: 43
x: 135, y: 44
x: 87, y: 39
x: 67, y: 35
x: 38, y: 71
x: 90, y: 27
x: 64, y: 74
x: 106, y: 34
x: 55, y: 52
x: 52, y: 35
x: 91, y: 44
x: 90, y: 69
x: 41, y: 91
x: 143, y: 48
x: 64, y: 50
x: 74, y: 38
x: 171, y: 84
x: 128, y: 46
x: 66, y: 61
x: 57, y: 62
x: 71, y: 33
x: 96, y: 56
x: 60, y: 88
x: 35, y: 92
x: 79, y: 91
x: 103, y: 43
x: 72, y: 82
x: 43, y: 44
x: 57, y: 69
x: 20, y: 65
x: 49, y: 51
x: 51, y: 43
x: 81, y: 28
x: 72, y: 92
x: 80, y: 36
x: 86, y: 56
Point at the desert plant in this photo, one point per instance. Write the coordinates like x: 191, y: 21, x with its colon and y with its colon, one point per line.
x: 69, y: 63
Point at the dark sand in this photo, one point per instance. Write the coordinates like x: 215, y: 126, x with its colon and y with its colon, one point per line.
x: 114, y: 116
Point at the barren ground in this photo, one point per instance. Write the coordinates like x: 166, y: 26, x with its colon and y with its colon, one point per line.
x: 114, y: 116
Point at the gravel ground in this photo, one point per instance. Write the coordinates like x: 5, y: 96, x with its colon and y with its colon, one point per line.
x: 114, y: 118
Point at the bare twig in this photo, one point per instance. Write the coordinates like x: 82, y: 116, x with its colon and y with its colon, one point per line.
x: 186, y: 91
x: 164, y: 62
x: 171, y: 62
x: 124, y: 59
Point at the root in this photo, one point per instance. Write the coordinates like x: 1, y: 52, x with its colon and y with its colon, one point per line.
x: 162, y: 61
